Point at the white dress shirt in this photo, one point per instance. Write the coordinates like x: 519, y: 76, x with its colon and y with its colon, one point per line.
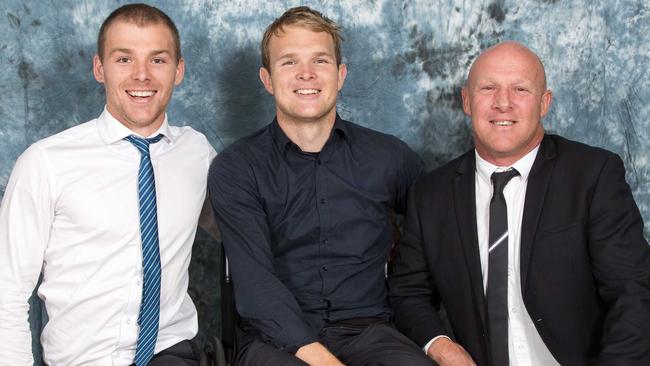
x: 70, y: 212
x: 524, y: 343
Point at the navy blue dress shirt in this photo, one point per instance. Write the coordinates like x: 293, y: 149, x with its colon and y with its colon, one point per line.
x: 307, y: 235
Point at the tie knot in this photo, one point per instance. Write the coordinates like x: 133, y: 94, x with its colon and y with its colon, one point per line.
x: 143, y: 144
x: 500, y: 179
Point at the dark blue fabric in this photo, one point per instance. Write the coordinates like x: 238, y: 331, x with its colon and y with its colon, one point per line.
x: 308, y: 235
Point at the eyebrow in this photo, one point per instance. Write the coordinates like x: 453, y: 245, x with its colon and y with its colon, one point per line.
x: 315, y: 54
x: 129, y: 51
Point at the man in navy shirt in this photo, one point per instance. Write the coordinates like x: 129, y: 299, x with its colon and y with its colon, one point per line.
x: 305, y: 207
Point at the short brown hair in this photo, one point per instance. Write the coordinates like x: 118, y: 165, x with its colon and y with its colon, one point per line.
x: 305, y: 17
x: 141, y: 15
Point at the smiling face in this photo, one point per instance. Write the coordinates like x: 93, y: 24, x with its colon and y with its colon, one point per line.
x: 506, y: 98
x: 139, y: 71
x: 304, y: 77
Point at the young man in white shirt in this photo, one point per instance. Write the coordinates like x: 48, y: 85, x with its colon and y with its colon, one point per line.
x: 112, y: 242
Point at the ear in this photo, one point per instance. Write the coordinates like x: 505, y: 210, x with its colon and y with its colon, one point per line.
x: 464, y: 93
x: 545, y: 103
x: 180, y: 71
x: 265, y: 76
x: 343, y: 72
x: 98, y: 69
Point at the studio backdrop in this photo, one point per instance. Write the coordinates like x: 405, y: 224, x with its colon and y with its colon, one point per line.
x: 407, y: 61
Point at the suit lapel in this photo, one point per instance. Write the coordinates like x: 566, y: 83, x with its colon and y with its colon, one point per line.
x: 465, y: 200
x: 537, y: 188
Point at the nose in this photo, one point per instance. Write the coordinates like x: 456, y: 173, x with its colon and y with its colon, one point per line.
x: 306, y: 72
x: 141, y: 71
x: 502, y: 100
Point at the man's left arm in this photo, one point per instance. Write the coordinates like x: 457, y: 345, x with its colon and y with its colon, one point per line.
x: 620, y: 259
x: 207, y: 221
x: 409, y: 168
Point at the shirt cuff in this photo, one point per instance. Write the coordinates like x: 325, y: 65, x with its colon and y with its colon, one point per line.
x: 426, y: 346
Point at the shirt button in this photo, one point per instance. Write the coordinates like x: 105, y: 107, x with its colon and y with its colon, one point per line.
x: 128, y: 321
x: 318, y: 162
x: 138, y: 283
x: 325, y: 241
x: 324, y: 268
x: 514, y: 310
x: 322, y: 201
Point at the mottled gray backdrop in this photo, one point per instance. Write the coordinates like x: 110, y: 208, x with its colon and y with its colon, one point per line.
x: 406, y: 61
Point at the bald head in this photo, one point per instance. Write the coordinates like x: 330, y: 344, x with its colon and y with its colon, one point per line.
x: 506, y: 98
x: 509, y: 52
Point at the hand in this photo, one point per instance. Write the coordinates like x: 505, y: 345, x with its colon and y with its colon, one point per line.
x: 448, y: 353
x: 315, y: 354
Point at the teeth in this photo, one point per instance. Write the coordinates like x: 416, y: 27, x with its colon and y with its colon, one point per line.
x: 141, y: 93
x: 307, y: 91
x: 503, y: 123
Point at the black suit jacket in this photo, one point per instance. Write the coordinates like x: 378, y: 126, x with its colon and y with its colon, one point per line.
x: 585, y: 265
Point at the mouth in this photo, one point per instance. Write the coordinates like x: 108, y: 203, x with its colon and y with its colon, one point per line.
x: 141, y: 95
x: 307, y: 91
x: 503, y: 122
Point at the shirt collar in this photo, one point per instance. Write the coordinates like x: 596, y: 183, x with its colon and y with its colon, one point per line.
x: 485, y: 169
x: 111, y: 130
x: 340, y: 128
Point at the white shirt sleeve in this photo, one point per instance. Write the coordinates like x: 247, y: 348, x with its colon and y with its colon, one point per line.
x: 426, y: 346
x: 26, y: 214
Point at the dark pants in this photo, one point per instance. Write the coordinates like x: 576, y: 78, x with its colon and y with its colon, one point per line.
x: 184, y: 353
x: 378, y: 344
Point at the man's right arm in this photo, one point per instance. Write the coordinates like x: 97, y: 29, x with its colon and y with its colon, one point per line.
x: 261, y: 298
x: 25, y: 220
x: 414, y: 297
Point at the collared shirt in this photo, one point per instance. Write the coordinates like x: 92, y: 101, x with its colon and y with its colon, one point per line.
x: 525, y: 345
x: 308, y: 235
x: 70, y: 211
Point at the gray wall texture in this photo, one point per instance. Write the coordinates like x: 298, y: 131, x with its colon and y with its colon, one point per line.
x: 407, y: 61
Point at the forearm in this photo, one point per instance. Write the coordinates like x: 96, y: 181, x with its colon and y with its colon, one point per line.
x: 15, y: 336
x: 315, y: 354
x: 261, y: 297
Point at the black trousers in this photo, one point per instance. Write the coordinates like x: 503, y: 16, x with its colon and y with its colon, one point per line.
x: 378, y: 344
x: 184, y: 353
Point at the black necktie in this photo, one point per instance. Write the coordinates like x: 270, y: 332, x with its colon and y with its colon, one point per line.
x: 497, y: 288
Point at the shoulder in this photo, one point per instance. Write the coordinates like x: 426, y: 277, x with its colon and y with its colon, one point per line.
x: 577, y: 156
x: 39, y: 157
x: 254, y: 146
x: 188, y: 135
x: 79, y: 135
x: 374, y: 138
x: 381, y: 146
x: 463, y: 164
x: 570, y: 148
x: 243, y: 154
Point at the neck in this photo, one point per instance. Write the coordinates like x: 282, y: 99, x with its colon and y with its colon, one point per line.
x: 309, y: 136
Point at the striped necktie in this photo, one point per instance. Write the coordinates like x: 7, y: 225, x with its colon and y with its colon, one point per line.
x: 150, y: 306
x: 497, y: 289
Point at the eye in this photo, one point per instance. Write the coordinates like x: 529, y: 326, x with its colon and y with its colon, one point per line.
x: 158, y: 60
x: 123, y: 60
x: 488, y: 87
x: 521, y: 89
x: 288, y: 63
x: 322, y: 61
